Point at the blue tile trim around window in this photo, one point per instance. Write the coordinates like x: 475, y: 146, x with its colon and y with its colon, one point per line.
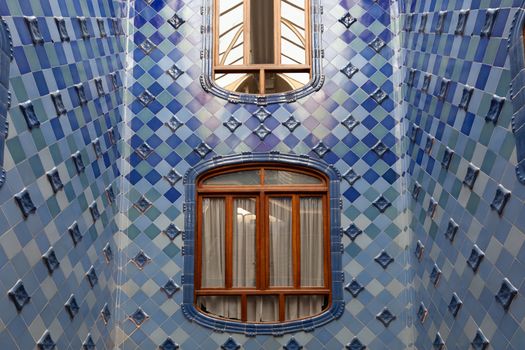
x: 338, y: 304
x: 517, y: 67
x: 317, y: 78
x: 6, y: 54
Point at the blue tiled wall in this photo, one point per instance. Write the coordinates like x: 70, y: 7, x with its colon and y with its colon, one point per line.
x: 460, y: 212
x: 61, y: 164
x: 171, y: 120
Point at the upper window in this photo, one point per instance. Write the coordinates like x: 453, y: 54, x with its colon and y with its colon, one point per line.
x: 262, y: 244
x: 257, y: 49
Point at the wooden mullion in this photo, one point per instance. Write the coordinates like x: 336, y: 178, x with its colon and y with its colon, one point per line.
x: 282, y: 307
x: 229, y: 243
x: 264, y: 250
x: 277, y: 31
x: 244, y: 307
x: 296, y: 242
x: 276, y: 291
x: 279, y: 68
x: 246, y: 32
x: 262, y: 81
x: 215, y: 37
x: 307, y: 33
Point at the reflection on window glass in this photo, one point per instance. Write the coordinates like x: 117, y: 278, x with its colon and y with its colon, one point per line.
x: 244, y: 242
x: 280, y: 211
x: 248, y: 177
x: 283, y: 177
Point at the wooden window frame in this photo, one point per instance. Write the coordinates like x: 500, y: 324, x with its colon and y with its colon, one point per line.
x: 262, y: 69
x: 262, y: 193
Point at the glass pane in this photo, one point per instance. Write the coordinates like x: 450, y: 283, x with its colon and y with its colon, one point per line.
x: 280, y: 221
x: 312, y: 266
x: 221, y: 306
x: 293, y: 35
x: 263, y: 308
x: 244, y: 220
x: 231, y: 39
x: 213, y: 246
x: 247, y: 83
x: 300, y: 306
x: 262, y: 46
x: 248, y: 177
x: 283, y: 177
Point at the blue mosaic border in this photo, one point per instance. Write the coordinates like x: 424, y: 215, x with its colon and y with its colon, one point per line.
x: 6, y: 55
x: 338, y: 305
x: 317, y: 54
x: 517, y: 68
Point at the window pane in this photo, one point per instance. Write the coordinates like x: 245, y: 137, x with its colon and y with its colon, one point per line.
x: 262, y: 46
x: 244, y: 220
x: 312, y: 267
x: 300, y: 306
x: 283, y: 177
x: 221, y: 306
x: 248, y: 177
x: 213, y: 246
x: 263, y: 308
x: 293, y: 35
x: 231, y: 38
x: 247, y: 83
x: 280, y: 210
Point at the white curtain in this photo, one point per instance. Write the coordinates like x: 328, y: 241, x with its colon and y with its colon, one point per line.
x: 263, y: 308
x: 244, y: 242
x: 312, y: 267
x: 281, y: 273
x: 303, y: 306
x: 213, y: 260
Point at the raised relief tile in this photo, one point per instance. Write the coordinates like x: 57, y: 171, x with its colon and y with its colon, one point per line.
x: 480, y: 342
x: 351, y: 176
x: 19, y: 295
x: 292, y: 345
x: 203, y: 149
x: 423, y: 22
x: 142, y: 204
x: 420, y: 249
x: 74, y: 233
x: 422, y: 312
x: 426, y: 82
x: 291, y: 123
x: 25, y: 203
x: 174, y: 123
x: 84, y: 31
x: 170, y: 288
x: 46, y: 342
x: 496, y: 105
x: 500, y: 200
x: 230, y: 344
x: 108, y: 253
x: 144, y: 150
x: 416, y: 190
x: 352, y: 232
x: 471, y: 176
x: 174, y: 72
x: 349, y: 70
x: 347, y: 20
x: 354, y: 288
x: 432, y: 206
x: 88, y: 343
x: 490, y: 18
x: 350, y: 123
x: 176, y: 21
x: 53, y: 177
x: 466, y: 97
x: 462, y: 22
x: 429, y: 144
x: 62, y: 28
x: 440, y: 24
x: 386, y: 317
x: 475, y: 258
x: 141, y: 259
x: 58, y: 103
x: 99, y: 87
x: 139, y: 317
x: 447, y: 158
x: 72, y: 307
x: 114, y: 80
x: 91, y: 276
x: 82, y: 99
x: 377, y: 44
x: 147, y: 46
x: 407, y: 25
x: 105, y: 313
x: 506, y: 294
x: 232, y: 124
x: 78, y: 162
x: 355, y: 344
x: 50, y: 260
x: 168, y: 344
x: 34, y: 29
x: 382, y: 204
x: 454, y: 305
x: 172, y: 231
x: 173, y: 177
x: 93, y: 209
x: 411, y: 76
x: 438, y: 343
x: 97, y: 148
x: 262, y: 114
x: 29, y: 115
x: 320, y: 149
x: 452, y: 229
x: 380, y: 148
x: 414, y: 131
x: 101, y: 28
x: 384, y: 259
x: 146, y: 98
x: 443, y: 89
x: 435, y: 275
x: 379, y: 96
x: 262, y: 132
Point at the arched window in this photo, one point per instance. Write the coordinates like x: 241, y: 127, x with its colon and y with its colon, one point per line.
x: 254, y: 49
x: 262, y: 243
